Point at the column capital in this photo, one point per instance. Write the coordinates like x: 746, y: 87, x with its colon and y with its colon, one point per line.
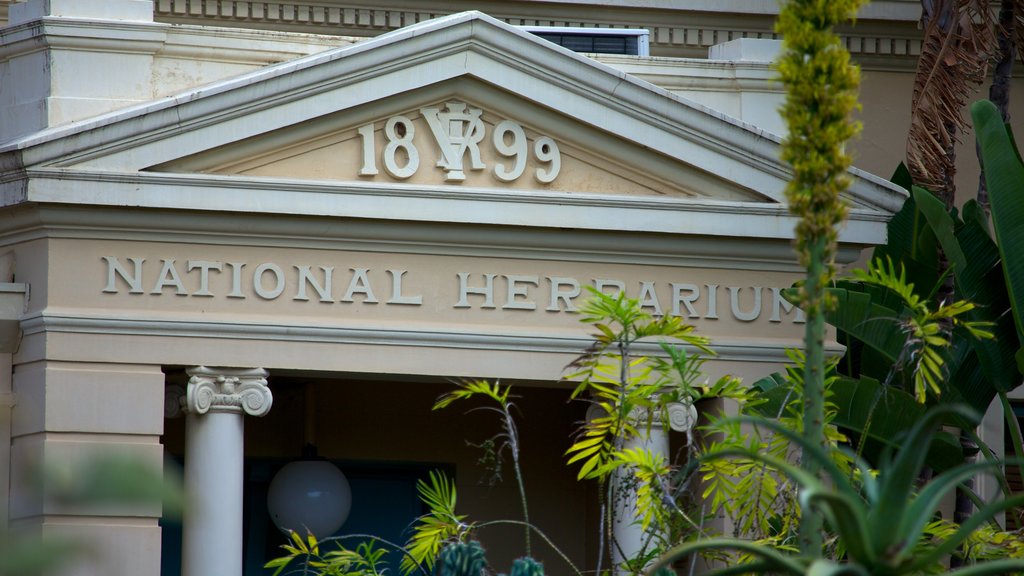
x: 238, y: 390
x: 682, y: 416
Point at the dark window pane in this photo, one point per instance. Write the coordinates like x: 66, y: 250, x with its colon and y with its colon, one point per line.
x: 595, y: 43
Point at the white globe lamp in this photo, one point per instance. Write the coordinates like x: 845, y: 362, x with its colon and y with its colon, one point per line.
x: 309, y: 495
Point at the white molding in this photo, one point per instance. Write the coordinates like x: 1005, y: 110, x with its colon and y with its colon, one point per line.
x: 83, y: 34
x: 426, y: 238
x: 490, y: 206
x: 727, y: 349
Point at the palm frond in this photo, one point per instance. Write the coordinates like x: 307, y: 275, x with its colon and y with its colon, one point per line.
x: 959, y: 39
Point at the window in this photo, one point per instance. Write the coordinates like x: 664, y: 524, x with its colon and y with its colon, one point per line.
x: 630, y: 41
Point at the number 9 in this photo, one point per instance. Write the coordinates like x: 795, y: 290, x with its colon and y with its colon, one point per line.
x: 517, y: 148
x: 546, y: 150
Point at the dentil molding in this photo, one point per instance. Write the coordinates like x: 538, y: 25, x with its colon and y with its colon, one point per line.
x: 889, y: 32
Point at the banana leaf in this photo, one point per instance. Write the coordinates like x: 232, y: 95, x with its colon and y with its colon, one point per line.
x: 911, y: 242
x: 1004, y: 179
x: 974, y: 259
x: 883, y: 415
x: 871, y: 316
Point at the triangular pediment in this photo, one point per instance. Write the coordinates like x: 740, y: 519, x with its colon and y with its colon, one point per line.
x: 461, y: 133
x: 629, y: 155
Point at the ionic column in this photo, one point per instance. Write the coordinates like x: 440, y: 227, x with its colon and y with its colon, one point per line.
x: 626, y: 530
x: 216, y: 400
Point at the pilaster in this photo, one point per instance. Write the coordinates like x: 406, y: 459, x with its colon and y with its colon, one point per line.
x: 68, y: 417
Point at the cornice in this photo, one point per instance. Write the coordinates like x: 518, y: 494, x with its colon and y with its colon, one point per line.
x: 34, y: 222
x: 434, y: 204
x: 885, y: 36
x: 726, y: 348
x: 82, y: 34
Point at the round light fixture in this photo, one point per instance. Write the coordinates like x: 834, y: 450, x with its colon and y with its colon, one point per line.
x: 310, y: 494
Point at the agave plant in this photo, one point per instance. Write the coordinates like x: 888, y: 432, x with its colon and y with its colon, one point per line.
x: 880, y: 518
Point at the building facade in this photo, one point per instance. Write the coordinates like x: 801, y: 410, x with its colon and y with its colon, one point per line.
x: 230, y: 228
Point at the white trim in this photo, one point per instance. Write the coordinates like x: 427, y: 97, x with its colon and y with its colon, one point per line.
x: 727, y: 349
x: 493, y: 206
x: 398, y: 237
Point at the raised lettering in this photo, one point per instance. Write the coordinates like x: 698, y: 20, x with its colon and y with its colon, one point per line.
x: 692, y: 294
x: 360, y: 284
x: 565, y: 296
x: 396, y: 290
x: 464, y: 291
x: 169, y: 277
x: 517, y: 148
x: 518, y: 286
x: 236, y: 280
x: 649, y: 297
x: 457, y: 130
x: 115, y: 269
x: 546, y: 150
x: 366, y: 136
x: 600, y: 284
x: 257, y: 281
x: 400, y: 131
x: 712, y: 302
x: 204, y: 275
x: 734, y: 304
x: 780, y: 304
x: 322, y: 290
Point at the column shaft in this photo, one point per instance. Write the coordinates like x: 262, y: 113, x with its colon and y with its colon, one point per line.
x: 212, y: 526
x: 629, y: 537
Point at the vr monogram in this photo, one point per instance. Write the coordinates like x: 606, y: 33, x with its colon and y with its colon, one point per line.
x: 458, y: 131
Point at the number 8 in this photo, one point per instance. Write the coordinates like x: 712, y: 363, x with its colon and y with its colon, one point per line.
x: 404, y: 142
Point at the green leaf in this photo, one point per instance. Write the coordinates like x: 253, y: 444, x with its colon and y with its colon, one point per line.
x: 885, y: 414
x: 860, y: 314
x: 846, y: 513
x: 993, y: 567
x: 774, y: 561
x: 912, y: 242
x: 942, y: 226
x: 1004, y: 179
x: 898, y: 484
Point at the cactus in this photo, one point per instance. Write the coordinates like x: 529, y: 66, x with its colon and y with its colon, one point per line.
x: 527, y: 567
x: 461, y: 559
x: 467, y: 559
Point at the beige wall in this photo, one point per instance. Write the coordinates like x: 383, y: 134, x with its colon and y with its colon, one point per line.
x: 885, y: 97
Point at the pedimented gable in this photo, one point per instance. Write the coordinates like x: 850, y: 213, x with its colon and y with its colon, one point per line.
x: 460, y: 119
x: 474, y: 136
